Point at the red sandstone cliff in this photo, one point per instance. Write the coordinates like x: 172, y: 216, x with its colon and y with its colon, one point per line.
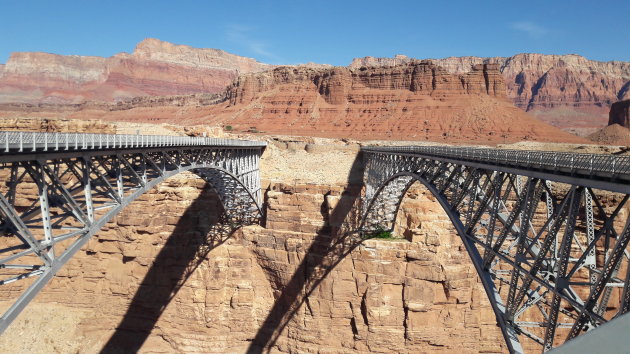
x: 568, y: 91
x: 154, y: 68
x: 414, y: 101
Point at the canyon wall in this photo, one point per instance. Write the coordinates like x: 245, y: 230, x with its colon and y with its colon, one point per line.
x: 568, y: 91
x: 155, y: 68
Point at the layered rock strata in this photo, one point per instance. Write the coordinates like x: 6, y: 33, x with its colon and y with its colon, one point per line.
x: 57, y: 125
x: 155, y: 68
x: 415, y: 101
x: 568, y: 91
x: 161, y: 278
x: 153, y: 283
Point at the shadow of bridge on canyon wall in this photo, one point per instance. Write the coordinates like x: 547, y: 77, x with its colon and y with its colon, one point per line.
x: 199, y: 230
x: 329, y: 247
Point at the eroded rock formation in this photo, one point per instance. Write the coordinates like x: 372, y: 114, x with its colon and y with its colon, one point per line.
x: 620, y: 113
x: 153, y: 280
x: 414, y: 101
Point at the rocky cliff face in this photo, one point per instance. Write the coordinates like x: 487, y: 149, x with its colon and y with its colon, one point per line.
x: 335, y: 84
x: 56, y: 125
x: 154, y: 68
x: 568, y: 91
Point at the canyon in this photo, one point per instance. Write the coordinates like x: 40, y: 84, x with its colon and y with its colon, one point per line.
x: 414, y: 101
x: 163, y: 277
x: 567, y: 91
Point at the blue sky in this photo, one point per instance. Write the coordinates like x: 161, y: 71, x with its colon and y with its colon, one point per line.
x: 322, y: 31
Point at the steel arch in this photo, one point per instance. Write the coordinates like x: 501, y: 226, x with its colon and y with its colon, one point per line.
x: 496, y: 214
x: 54, y: 201
x: 509, y: 333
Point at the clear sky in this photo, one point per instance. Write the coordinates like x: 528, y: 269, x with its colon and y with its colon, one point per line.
x: 321, y: 31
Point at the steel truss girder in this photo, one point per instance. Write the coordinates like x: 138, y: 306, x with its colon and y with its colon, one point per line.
x: 78, y: 193
x: 534, y: 244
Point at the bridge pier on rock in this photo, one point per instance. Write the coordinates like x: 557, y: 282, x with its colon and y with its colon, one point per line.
x: 547, y: 232
x: 60, y: 189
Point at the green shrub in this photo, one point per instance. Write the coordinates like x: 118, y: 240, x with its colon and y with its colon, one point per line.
x: 380, y: 233
x: 228, y: 128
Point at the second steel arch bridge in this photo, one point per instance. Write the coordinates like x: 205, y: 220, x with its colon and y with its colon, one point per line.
x: 547, y: 232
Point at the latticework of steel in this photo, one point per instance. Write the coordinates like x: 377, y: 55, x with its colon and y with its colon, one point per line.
x: 59, y: 189
x: 547, y: 232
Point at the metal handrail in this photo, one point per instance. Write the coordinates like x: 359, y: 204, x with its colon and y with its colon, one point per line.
x: 618, y: 166
x: 10, y: 141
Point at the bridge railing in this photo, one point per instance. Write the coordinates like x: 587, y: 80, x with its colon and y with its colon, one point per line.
x: 16, y: 141
x: 588, y: 164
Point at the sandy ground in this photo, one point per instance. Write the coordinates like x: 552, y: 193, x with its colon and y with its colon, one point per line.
x: 56, y: 328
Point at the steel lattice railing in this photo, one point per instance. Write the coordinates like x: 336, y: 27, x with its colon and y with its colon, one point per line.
x: 589, y: 165
x: 35, y: 141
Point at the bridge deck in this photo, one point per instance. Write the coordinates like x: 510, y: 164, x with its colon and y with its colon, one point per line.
x: 15, y: 142
x: 601, y: 171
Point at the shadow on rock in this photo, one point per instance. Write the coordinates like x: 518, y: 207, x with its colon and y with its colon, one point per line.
x: 331, y: 245
x: 199, y: 230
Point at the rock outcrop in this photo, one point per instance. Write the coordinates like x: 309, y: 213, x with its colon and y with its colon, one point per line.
x: 568, y: 91
x: 620, y: 113
x: 155, y: 68
x: 57, y: 125
x: 335, y: 84
x: 414, y: 101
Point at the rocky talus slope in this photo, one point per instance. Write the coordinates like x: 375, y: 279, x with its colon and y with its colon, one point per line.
x: 155, y: 68
x: 613, y: 134
x: 568, y: 91
x: 618, y: 130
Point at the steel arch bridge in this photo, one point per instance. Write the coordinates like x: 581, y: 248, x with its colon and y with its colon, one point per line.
x: 547, y: 232
x: 59, y: 189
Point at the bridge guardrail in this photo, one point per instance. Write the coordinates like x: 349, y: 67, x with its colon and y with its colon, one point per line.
x: 588, y: 164
x: 12, y: 141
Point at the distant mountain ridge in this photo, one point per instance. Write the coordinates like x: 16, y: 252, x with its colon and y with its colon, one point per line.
x: 155, y: 68
x: 568, y: 91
